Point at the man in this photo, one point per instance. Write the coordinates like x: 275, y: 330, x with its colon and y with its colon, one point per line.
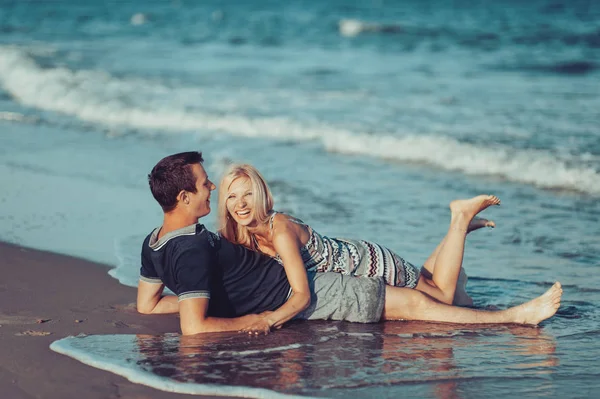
x: 221, y: 286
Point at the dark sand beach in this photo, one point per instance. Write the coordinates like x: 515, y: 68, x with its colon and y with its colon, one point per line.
x: 46, y: 297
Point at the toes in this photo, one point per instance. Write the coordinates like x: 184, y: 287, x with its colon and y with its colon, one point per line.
x: 556, y: 294
x: 493, y: 200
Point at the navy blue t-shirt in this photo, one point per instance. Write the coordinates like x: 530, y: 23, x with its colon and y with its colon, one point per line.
x: 196, y: 263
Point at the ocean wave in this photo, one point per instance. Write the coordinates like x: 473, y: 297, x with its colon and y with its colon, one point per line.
x: 488, y: 37
x: 562, y: 68
x: 354, y: 27
x: 18, y: 117
x: 536, y: 167
x: 98, y: 97
x: 581, y: 335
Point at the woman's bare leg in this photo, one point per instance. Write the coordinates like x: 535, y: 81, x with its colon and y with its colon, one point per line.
x: 409, y: 304
x: 461, y: 298
x: 476, y: 224
x: 449, y: 258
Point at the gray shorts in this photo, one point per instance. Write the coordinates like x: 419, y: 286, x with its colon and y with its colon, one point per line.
x: 335, y: 296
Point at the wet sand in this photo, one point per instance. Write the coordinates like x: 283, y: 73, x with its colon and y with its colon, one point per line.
x: 46, y: 297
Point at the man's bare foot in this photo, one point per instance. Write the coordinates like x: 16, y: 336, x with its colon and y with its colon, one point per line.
x: 478, y: 223
x: 468, y: 208
x: 540, y: 308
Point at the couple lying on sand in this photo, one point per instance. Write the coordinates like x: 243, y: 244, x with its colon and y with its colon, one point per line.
x: 266, y: 268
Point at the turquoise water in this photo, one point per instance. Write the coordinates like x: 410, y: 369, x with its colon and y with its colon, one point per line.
x: 367, y: 120
x: 336, y: 360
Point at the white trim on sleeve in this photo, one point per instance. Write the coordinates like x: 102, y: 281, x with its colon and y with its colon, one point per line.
x: 193, y: 294
x: 151, y: 280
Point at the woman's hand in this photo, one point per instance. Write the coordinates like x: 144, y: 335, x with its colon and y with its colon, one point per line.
x: 262, y: 326
x: 287, y: 244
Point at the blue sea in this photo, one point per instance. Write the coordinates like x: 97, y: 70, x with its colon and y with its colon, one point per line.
x: 367, y: 119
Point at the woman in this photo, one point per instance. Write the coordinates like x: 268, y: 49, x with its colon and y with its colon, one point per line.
x: 246, y: 217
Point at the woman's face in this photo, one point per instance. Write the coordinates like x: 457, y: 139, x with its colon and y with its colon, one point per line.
x: 240, y: 202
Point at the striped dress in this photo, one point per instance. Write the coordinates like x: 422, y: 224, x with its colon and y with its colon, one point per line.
x: 356, y: 258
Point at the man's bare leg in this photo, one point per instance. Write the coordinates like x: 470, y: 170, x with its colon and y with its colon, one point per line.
x: 409, y: 304
x: 448, y: 260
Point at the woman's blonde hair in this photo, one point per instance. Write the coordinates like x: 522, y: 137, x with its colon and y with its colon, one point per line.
x: 262, y: 203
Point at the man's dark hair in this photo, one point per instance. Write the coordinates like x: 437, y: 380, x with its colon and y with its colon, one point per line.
x: 171, y: 175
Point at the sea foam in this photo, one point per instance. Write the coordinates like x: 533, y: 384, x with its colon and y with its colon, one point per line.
x: 100, y: 351
x: 97, y: 97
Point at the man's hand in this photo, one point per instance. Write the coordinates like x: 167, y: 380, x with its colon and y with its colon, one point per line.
x: 260, y: 326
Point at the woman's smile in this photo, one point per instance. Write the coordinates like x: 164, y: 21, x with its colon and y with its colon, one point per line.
x: 239, y: 200
x: 243, y: 213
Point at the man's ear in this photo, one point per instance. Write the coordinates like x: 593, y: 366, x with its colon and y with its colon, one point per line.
x: 183, y: 197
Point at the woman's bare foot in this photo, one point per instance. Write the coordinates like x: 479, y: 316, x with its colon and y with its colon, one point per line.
x: 478, y: 223
x: 468, y: 208
x: 540, y: 308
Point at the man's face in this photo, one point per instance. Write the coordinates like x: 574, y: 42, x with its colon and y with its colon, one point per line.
x: 200, y: 200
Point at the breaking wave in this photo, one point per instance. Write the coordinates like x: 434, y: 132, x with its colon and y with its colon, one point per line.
x: 98, y: 97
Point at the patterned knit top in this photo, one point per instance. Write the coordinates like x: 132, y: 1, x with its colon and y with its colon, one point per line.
x: 353, y: 257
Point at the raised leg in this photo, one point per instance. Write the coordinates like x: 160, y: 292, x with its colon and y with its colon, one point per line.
x: 476, y: 224
x: 447, y: 258
x: 409, y: 304
x: 461, y: 298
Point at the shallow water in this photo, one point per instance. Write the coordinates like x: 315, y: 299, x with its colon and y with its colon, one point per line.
x: 367, y: 120
x: 327, y: 359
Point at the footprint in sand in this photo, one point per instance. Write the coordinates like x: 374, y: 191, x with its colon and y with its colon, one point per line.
x: 127, y: 307
x: 17, y: 320
x: 33, y: 333
x: 121, y: 324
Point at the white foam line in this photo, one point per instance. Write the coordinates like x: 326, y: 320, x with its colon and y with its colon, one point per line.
x: 534, y: 167
x: 255, y: 351
x: 95, y: 97
x: 63, y: 347
x: 368, y: 335
x: 279, y: 348
x: 17, y: 117
x: 11, y: 116
x: 354, y: 27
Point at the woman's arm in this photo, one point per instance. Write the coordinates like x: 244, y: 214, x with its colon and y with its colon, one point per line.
x: 287, y: 244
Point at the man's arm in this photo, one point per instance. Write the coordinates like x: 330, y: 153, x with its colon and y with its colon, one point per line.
x: 151, y: 301
x: 150, y: 288
x: 194, y: 319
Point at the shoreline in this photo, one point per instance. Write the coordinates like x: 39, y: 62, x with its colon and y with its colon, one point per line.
x: 46, y: 297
